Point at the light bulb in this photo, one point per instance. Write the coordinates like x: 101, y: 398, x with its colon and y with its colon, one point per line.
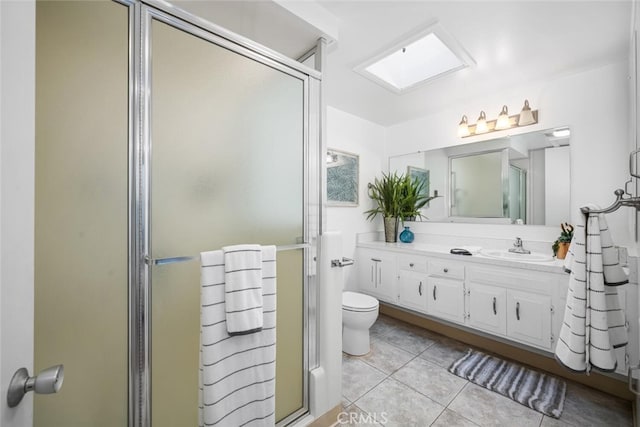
x: 463, y: 127
x: 503, y: 119
x: 481, y: 124
x: 526, y: 115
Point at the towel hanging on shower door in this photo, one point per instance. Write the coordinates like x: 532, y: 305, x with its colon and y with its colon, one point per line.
x: 237, y: 372
x: 243, y: 288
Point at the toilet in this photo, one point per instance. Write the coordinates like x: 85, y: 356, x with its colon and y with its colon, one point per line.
x: 359, y: 312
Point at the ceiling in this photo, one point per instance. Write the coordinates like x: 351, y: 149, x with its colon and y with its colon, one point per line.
x: 512, y: 42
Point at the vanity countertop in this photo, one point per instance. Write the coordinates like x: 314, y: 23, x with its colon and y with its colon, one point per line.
x: 555, y: 266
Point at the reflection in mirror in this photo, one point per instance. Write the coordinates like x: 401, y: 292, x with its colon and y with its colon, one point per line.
x: 476, y: 185
x: 519, y: 179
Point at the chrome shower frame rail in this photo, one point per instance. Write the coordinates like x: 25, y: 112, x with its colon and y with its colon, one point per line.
x: 177, y: 259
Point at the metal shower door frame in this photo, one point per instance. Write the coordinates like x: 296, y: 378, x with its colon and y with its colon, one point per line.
x: 140, y: 148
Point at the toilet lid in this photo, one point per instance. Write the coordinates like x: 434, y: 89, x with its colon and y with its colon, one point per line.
x: 357, y: 301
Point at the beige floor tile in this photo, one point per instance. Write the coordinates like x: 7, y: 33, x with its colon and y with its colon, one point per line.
x: 448, y: 418
x: 353, y: 416
x: 411, y: 339
x: 386, y: 357
x: 487, y: 408
x: 431, y: 380
x: 415, y: 392
x: 585, y: 407
x: 395, y: 404
x: 553, y: 422
x: 384, y: 325
x: 444, y: 352
x: 358, y: 378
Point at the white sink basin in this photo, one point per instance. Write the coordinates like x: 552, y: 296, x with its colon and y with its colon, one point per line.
x: 512, y: 256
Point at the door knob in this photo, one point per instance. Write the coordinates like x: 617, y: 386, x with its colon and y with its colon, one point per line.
x: 46, y: 382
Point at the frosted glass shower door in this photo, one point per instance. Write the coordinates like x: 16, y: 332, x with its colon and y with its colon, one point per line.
x: 226, y: 167
x: 82, y: 208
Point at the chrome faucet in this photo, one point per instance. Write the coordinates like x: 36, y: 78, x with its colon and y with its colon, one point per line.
x: 517, y: 247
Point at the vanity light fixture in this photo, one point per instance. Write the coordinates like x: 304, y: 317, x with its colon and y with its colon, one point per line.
x: 463, y: 127
x: 504, y: 121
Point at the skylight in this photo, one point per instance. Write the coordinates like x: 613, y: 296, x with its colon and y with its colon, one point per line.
x: 416, y: 60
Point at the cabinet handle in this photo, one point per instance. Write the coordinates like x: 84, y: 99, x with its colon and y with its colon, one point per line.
x: 434, y: 292
x: 446, y: 270
x: 372, y: 281
x: 495, y: 311
x: 411, y: 264
x: 420, y: 289
x: 518, y: 310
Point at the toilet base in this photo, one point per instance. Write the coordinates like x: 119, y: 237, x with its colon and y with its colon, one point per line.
x: 355, y: 341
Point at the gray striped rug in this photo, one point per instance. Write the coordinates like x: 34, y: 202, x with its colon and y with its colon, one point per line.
x: 536, y: 390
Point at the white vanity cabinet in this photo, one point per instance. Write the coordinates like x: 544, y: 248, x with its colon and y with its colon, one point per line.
x: 446, y: 290
x: 445, y: 298
x: 412, y: 282
x: 412, y: 290
x: 377, y: 273
x: 487, y: 308
x: 529, y: 318
x: 513, y: 303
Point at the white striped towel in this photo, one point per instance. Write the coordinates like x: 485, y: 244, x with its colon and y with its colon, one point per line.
x: 237, y: 372
x: 243, y: 288
x: 594, y: 322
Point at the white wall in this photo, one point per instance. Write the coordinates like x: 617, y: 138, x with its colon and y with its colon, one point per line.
x: 593, y: 103
x: 366, y: 139
x: 557, y: 179
x: 17, y: 112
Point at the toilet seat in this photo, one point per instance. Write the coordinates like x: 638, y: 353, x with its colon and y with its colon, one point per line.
x: 354, y: 301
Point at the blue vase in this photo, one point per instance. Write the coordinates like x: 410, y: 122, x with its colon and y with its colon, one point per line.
x: 407, y: 235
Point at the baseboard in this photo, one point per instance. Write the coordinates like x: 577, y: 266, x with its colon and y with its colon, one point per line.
x: 329, y: 418
x: 546, y: 363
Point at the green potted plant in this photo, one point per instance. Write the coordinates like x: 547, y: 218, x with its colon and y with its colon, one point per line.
x: 397, y: 197
x: 561, y: 245
x: 387, y: 193
x: 412, y: 198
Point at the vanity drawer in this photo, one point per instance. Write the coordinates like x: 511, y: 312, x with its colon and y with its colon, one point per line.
x: 412, y: 263
x: 446, y: 269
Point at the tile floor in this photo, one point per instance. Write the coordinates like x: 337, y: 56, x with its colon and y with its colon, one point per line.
x: 404, y: 382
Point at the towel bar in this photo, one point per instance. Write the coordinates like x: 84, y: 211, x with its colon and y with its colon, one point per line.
x: 176, y: 259
x: 344, y: 262
x: 620, y: 201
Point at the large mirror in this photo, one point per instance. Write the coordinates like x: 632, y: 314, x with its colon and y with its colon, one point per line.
x: 518, y: 179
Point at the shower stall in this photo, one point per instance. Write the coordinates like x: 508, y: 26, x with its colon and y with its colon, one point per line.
x: 159, y: 136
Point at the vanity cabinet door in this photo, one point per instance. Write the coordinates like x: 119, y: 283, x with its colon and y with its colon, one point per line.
x: 413, y: 290
x: 377, y: 274
x: 366, y: 267
x: 529, y: 318
x: 487, y: 308
x: 445, y: 298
